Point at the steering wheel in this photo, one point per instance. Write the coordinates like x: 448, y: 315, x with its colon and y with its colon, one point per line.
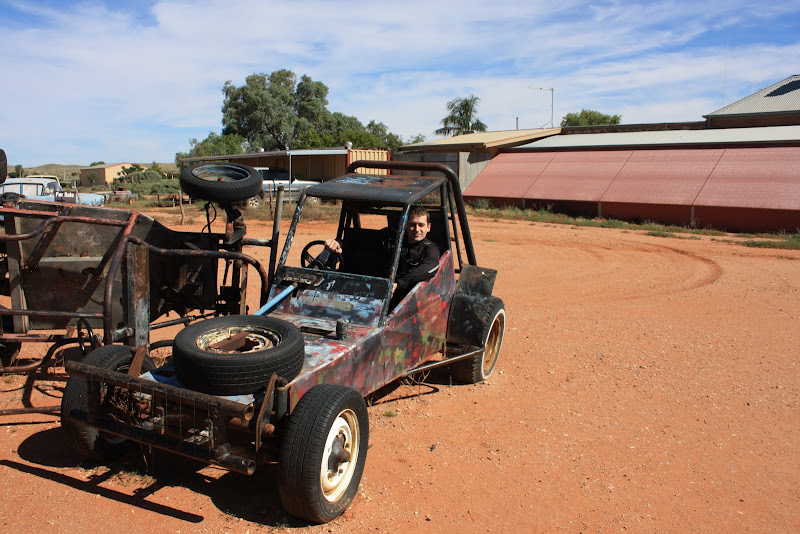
x: 388, y: 237
x: 322, y: 260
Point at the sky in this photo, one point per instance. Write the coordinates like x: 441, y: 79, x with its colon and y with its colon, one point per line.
x: 134, y: 81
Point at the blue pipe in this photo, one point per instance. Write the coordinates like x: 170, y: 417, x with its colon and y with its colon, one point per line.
x: 276, y: 300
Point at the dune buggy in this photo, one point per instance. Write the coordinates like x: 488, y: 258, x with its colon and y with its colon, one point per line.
x: 286, y: 383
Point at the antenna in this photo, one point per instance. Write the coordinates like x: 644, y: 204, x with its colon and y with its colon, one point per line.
x: 552, y: 92
x: 725, y: 77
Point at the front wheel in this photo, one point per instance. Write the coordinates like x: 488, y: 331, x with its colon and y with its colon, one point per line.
x: 84, y: 439
x: 323, y: 453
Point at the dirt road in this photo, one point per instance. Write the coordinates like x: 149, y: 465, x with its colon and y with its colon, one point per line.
x: 645, y: 384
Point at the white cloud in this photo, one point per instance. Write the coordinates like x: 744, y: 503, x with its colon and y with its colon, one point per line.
x: 90, y: 81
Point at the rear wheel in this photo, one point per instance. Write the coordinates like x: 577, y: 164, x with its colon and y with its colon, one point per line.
x: 479, y: 367
x: 253, y: 203
x: 323, y: 453
x: 84, y: 439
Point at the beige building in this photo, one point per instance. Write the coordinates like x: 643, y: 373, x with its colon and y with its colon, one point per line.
x: 103, y: 174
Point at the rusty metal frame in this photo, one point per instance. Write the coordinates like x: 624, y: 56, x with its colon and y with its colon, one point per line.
x: 135, y: 284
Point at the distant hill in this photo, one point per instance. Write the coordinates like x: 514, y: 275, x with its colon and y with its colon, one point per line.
x: 65, y: 172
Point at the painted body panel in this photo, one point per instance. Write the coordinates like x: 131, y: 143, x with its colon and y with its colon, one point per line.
x: 372, y: 356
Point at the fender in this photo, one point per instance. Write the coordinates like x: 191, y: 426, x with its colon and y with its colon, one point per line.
x: 468, y: 307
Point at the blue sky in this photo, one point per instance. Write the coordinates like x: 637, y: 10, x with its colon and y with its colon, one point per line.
x: 133, y: 81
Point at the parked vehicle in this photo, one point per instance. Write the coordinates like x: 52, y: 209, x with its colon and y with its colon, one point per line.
x: 273, y: 178
x: 43, y: 187
x: 287, y: 383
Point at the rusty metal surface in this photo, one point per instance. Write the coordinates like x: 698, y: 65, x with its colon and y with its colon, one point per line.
x: 168, y: 417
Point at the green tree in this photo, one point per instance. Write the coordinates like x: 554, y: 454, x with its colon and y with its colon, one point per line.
x: 588, y: 117
x: 155, y: 167
x: 19, y: 171
x: 135, y: 167
x: 213, y: 145
x: 462, y: 117
x: 278, y: 112
x: 273, y: 111
x: 95, y: 163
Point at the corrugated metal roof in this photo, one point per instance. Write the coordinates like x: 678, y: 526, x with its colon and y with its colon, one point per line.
x: 779, y: 97
x: 668, y: 176
x: 295, y: 152
x: 768, y: 134
x: 761, y: 177
x: 579, y: 175
x: 482, y: 140
x: 754, y: 178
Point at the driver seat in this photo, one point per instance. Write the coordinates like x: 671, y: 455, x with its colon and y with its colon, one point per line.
x: 363, y: 252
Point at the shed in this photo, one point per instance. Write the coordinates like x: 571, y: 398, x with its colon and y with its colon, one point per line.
x: 744, y: 179
x: 315, y: 164
x: 469, y: 154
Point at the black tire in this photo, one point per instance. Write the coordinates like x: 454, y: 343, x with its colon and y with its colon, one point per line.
x: 88, y: 441
x: 273, y: 346
x: 222, y: 182
x: 479, y: 367
x: 327, y: 419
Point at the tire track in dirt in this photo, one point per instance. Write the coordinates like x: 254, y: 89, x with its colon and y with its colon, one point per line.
x: 572, y: 272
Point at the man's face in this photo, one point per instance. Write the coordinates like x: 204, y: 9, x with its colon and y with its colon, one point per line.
x: 418, y: 228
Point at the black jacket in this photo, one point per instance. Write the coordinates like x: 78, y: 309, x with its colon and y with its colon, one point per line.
x: 418, y: 262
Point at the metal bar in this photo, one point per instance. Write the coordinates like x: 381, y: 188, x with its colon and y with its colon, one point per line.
x: 207, y: 254
x: 276, y: 230
x: 266, y: 308
x: 441, y: 363
x: 116, y: 261
x: 180, y: 320
x: 36, y: 364
x: 51, y: 220
x: 431, y: 167
x: 31, y: 409
x: 185, y: 397
x: 50, y: 313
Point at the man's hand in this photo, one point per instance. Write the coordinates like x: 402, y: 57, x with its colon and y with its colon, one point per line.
x: 333, y: 246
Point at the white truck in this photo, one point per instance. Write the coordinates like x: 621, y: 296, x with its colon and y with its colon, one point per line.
x: 45, y: 187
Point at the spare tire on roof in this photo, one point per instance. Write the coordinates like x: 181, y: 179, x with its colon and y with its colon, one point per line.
x: 221, y: 182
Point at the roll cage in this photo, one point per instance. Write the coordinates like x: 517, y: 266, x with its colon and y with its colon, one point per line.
x: 365, y: 273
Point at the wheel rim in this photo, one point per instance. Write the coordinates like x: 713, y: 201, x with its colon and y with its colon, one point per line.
x: 340, y: 456
x: 493, y: 342
x: 254, y: 202
x: 237, y: 339
x: 220, y: 173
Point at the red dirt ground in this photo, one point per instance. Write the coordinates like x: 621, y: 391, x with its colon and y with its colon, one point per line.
x: 645, y: 384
